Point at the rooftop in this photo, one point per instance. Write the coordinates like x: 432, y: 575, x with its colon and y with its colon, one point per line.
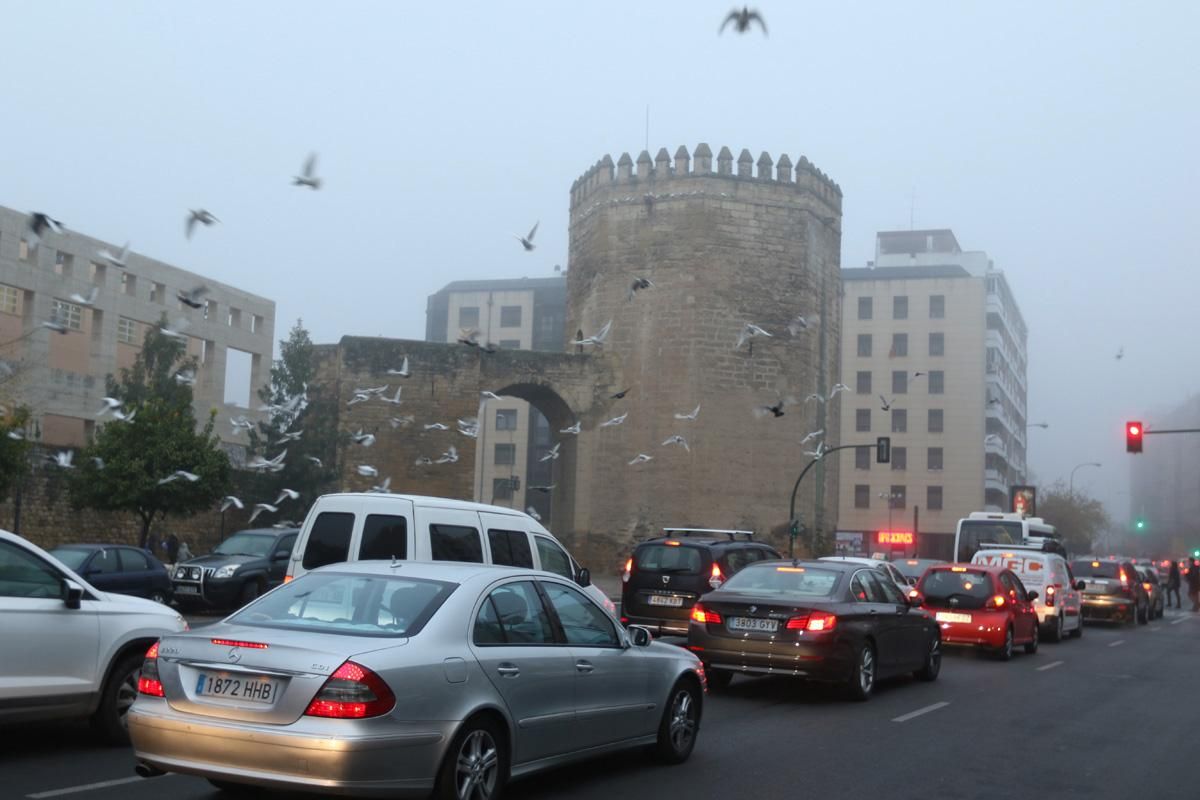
x: 904, y: 273
x: 505, y: 284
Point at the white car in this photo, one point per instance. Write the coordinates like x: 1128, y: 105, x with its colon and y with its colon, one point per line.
x: 71, y: 650
x: 888, y: 570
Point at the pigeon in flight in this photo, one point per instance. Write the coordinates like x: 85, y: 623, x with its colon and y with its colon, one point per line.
x: 814, y: 397
x: 621, y: 394
x: 39, y: 223
x: 808, y: 437
x: 241, y: 424
x: 485, y: 396
x: 527, y: 241
x: 543, y: 489
x: 259, y: 508
x: 359, y: 397
x: 88, y: 300
x: 679, y: 440
x: 469, y: 428
x: 531, y: 511
x: 404, y: 421
x: 424, y: 461
x: 316, y: 461
x: 597, y: 339
x: 638, y: 285
x: 552, y: 453
x: 749, y: 332
x: 742, y: 19
x: 55, y: 325
x: 176, y: 331
x: 394, y: 399
x: 17, y: 436
x: 110, y: 404
x: 178, y: 474
x: 365, y: 439
x: 838, y: 388
x: 777, y: 409
x: 886, y: 404
x: 229, y: 501
x: 115, y: 260
x: 367, y: 471
x: 98, y: 461
x: 640, y: 458
x: 1120, y: 352
x: 448, y: 457
x: 403, y: 371
x: 200, y: 215
x: 615, y: 421
x: 291, y: 436
x: 797, y: 325
x: 436, y: 426
x: 191, y: 298
x: 469, y: 337
x: 383, y: 488
x: 689, y: 417
x: 815, y: 455
x: 123, y: 417
x: 574, y: 430
x: 308, y: 176
x: 287, y: 494
x: 63, y: 459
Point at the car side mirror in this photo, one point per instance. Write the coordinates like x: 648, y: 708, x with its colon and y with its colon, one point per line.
x: 912, y: 581
x: 914, y: 598
x: 1032, y: 596
x: 583, y: 577
x: 640, y: 636
x: 72, y: 594
x: 1080, y: 585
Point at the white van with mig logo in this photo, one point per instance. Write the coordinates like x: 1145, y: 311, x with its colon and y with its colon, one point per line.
x: 1059, y: 600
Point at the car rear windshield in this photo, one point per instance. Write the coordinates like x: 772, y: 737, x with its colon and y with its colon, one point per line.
x: 676, y: 559
x: 362, y: 605
x: 784, y: 580
x: 246, y: 544
x: 71, y: 556
x: 1095, y: 569
x: 948, y: 588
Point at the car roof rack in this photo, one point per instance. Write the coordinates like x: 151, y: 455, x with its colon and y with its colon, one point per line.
x: 733, y: 535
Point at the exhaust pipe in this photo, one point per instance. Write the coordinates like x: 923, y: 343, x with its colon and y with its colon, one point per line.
x: 147, y: 771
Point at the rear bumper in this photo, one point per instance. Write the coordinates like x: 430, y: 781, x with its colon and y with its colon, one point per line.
x: 382, y: 758
x: 816, y: 660
x: 212, y: 593
x: 1108, y: 607
x: 984, y: 630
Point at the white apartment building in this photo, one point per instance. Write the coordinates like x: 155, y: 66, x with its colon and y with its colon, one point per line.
x: 517, y: 314
x: 934, y: 353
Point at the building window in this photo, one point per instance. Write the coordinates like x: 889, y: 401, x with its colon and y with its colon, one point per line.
x: 506, y: 454
x: 128, y: 284
x: 934, y: 458
x: 862, y: 420
x: 234, y: 318
x: 510, y: 316
x: 937, y: 306
x: 506, y: 419
x: 10, y: 300
x: 937, y: 382
x: 862, y: 495
x: 936, y: 420
x: 468, y: 317
x: 899, y: 421
x: 896, y: 497
x: 862, y: 458
x: 899, y: 345
x: 210, y: 309
x: 933, y: 498
x: 510, y: 344
x: 64, y: 264
x: 899, y: 381
x: 68, y: 314
x: 900, y: 306
x: 96, y: 273
x: 865, y: 308
x: 158, y: 292
x: 502, y: 488
x: 863, y: 382
x: 126, y: 330
x: 937, y: 344
x: 26, y: 251
x: 899, y: 458
x: 864, y: 344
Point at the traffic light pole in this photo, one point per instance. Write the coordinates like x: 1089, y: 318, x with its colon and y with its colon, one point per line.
x: 1176, y: 430
x: 794, y: 522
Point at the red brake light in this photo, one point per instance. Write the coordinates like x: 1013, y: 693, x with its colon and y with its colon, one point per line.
x: 704, y: 616
x: 148, y: 682
x: 796, y: 623
x: 821, y: 622
x: 716, y: 578
x: 997, y: 601
x: 628, y: 570
x: 352, y: 692
x: 1124, y: 578
x: 238, y: 643
x: 1147, y: 586
x: 1050, y: 592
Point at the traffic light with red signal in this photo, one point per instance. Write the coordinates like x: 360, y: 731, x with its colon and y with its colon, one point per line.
x: 1133, y: 437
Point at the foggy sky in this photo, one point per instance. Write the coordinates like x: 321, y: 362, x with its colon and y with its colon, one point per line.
x: 1059, y: 137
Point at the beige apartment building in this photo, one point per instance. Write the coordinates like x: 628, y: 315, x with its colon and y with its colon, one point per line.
x: 61, y: 376
x: 934, y: 353
x: 516, y: 314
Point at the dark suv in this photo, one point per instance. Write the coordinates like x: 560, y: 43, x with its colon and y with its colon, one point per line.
x: 1114, y: 590
x: 237, y: 571
x: 666, y: 575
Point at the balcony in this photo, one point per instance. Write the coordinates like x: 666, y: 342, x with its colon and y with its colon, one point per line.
x: 993, y: 480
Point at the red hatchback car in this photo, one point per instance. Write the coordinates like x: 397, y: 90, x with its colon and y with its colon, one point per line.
x: 980, y: 605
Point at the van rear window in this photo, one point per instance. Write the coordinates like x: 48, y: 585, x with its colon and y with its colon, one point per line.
x: 456, y: 543
x: 1084, y: 568
x: 329, y: 540
x: 676, y: 560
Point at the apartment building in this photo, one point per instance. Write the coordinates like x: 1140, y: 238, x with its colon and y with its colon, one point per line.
x: 934, y: 353
x: 61, y: 376
x: 518, y: 314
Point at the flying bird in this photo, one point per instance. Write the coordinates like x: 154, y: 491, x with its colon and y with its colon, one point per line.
x: 543, y: 489
x: 468, y: 336
x: 395, y: 399
x: 886, y: 404
x: 527, y: 240
x: 748, y: 333
x: 469, y: 428
x: 615, y: 421
x: 424, y: 461
x: 176, y: 331
x: 679, y: 440
x: 403, y: 371
x: 110, y: 404
x: 291, y: 436
x: 797, y: 325
x: 742, y: 19
x: 63, y: 459
x: 191, y: 297
x: 597, y: 339
x: 1120, y: 352
x: 98, y: 461
x: 88, y: 300
x: 621, y: 394
x: 308, y: 176
x: 229, y: 501
x: 367, y: 471
x: 808, y: 437
x: 436, y: 426
x: 116, y: 260
x: 838, y: 388
x: 17, y: 436
x: 816, y: 454
x: 574, y: 430
x: 39, y: 223
x: 359, y: 397
x: 200, y: 215
x: 638, y: 285
x: 365, y: 439
x: 489, y: 396
x: 552, y: 453
x: 449, y: 457
x: 814, y: 397
x: 531, y: 511
x: 777, y: 409
x: 404, y: 421
x: 241, y: 424
x: 316, y: 461
x: 186, y: 377
x: 689, y: 417
x: 178, y: 474
x: 123, y: 417
x: 287, y: 494
x: 383, y: 488
x: 259, y: 508
x: 641, y: 458
x: 55, y: 325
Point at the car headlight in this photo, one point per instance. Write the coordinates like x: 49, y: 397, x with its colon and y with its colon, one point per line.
x: 226, y: 571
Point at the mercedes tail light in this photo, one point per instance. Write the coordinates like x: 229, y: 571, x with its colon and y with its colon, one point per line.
x: 148, y: 682
x: 704, y: 616
x: 716, y: 578
x: 352, y: 692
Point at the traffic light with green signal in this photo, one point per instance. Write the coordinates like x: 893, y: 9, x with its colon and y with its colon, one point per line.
x: 1139, y: 524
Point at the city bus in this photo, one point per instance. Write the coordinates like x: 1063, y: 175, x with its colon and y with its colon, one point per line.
x: 994, y: 528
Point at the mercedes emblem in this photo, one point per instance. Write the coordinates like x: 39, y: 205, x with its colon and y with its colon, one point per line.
x: 234, y: 655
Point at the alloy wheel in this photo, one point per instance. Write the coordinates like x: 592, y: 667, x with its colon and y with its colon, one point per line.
x: 478, y: 766
x: 866, y: 670
x: 683, y: 720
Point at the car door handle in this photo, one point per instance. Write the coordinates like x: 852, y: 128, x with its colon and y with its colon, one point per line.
x: 509, y: 670
x: 584, y: 666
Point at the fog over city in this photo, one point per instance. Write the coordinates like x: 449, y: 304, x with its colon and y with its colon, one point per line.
x: 1060, y: 138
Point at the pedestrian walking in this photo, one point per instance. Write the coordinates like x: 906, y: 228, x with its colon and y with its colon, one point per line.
x: 1174, y: 579
x: 185, y: 554
x: 1193, y: 582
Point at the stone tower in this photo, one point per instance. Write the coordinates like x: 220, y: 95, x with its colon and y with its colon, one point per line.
x: 724, y: 244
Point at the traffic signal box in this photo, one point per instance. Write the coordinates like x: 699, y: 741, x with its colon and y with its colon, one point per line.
x: 1133, y: 437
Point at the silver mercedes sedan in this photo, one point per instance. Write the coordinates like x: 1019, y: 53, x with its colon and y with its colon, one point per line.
x: 407, y: 679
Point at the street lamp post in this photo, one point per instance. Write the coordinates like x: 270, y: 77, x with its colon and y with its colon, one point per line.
x: 1071, y: 481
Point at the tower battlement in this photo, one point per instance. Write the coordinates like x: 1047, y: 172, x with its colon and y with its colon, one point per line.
x: 646, y: 172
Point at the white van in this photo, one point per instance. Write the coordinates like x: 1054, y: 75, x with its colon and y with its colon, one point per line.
x: 362, y: 526
x: 1059, y: 600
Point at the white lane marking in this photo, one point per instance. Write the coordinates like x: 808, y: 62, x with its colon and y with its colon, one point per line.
x: 1051, y: 665
x: 87, y: 787
x: 1181, y: 619
x: 920, y: 711
x: 1117, y: 642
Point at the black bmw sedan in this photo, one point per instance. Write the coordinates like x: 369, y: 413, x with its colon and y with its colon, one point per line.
x: 818, y: 620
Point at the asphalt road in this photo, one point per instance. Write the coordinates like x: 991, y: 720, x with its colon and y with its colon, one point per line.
x: 1113, y: 715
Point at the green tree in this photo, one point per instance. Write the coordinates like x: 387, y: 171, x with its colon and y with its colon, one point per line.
x: 14, y: 450
x: 299, y: 419
x: 160, y: 439
x: 1081, y: 520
